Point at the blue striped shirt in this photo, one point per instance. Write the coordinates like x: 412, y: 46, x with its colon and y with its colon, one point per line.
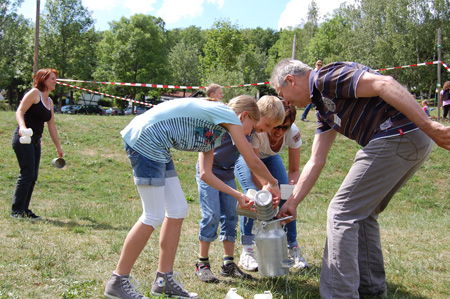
x: 333, y: 91
x: 187, y: 124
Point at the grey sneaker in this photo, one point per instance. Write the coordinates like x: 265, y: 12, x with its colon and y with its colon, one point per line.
x: 296, y: 255
x: 170, y: 285
x: 204, y: 273
x: 234, y: 271
x: 121, y: 287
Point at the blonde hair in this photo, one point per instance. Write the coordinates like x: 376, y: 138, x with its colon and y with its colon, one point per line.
x: 272, y: 108
x: 447, y: 85
x: 243, y: 103
x: 425, y: 102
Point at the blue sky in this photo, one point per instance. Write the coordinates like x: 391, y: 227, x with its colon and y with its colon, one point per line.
x: 273, y: 14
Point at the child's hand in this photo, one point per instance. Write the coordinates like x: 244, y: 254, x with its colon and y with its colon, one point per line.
x: 276, y: 194
x: 246, y: 203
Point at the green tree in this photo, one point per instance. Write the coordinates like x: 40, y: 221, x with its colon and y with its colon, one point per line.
x: 224, y: 44
x: 133, y: 50
x: 184, y: 65
x: 190, y: 36
x: 68, y: 40
x: 263, y: 39
x: 16, y: 47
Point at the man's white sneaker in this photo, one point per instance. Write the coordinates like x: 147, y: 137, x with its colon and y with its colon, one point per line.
x: 296, y: 255
x: 247, y: 260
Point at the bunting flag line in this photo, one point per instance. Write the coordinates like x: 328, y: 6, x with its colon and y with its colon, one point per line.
x: 151, y: 85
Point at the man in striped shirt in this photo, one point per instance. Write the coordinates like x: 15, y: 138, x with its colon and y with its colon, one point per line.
x: 396, y: 136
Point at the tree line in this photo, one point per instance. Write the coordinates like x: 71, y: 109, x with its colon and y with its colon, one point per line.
x: 377, y: 33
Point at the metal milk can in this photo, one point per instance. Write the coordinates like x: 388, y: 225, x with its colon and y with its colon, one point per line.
x: 271, y: 248
x: 270, y: 237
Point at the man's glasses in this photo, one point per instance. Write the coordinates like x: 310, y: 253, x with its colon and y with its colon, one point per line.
x: 284, y: 128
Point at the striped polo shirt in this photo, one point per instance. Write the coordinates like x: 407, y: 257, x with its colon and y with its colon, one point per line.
x: 188, y: 124
x: 333, y: 91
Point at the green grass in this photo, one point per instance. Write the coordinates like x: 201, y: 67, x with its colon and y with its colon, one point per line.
x: 89, y: 206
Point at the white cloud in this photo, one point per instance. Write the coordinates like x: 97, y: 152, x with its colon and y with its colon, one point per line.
x: 140, y: 6
x: 101, y: 4
x: 294, y: 14
x: 173, y: 10
x: 134, y: 6
x: 219, y: 2
x: 296, y: 11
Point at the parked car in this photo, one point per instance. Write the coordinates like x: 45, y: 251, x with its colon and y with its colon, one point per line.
x: 89, y: 109
x: 113, y: 111
x: 127, y: 111
x: 137, y: 110
x: 74, y: 109
x: 67, y: 108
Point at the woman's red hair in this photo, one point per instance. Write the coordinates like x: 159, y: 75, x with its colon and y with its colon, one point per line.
x: 41, y: 76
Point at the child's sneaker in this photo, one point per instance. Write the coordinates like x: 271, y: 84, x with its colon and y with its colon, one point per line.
x: 170, y: 285
x: 233, y: 270
x: 248, y: 261
x: 121, y: 287
x: 296, y: 255
x: 204, y: 273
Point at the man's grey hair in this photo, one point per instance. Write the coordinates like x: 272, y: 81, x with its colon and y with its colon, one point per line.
x: 286, y: 67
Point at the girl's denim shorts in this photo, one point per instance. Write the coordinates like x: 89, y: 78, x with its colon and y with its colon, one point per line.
x: 149, y: 172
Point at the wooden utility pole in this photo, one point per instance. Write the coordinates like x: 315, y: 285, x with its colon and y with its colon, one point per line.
x: 36, y: 38
x: 293, y: 46
x: 439, y: 73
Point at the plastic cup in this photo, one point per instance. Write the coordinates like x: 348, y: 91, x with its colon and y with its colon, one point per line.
x: 59, y: 162
x: 25, y: 139
x: 266, y: 295
x: 27, y: 132
x: 232, y: 294
x: 286, y: 190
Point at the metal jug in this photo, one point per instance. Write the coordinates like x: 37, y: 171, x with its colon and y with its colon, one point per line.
x: 271, y: 248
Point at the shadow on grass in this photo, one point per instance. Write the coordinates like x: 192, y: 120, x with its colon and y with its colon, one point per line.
x: 304, y: 284
x: 72, y: 224
x: 398, y: 292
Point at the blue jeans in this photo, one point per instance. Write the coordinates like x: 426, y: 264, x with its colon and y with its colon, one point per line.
x: 217, y: 206
x: 307, y: 108
x: 29, y: 157
x: 149, y: 172
x: 278, y: 171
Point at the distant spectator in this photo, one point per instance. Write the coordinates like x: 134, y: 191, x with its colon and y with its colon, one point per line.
x: 445, y: 98
x: 425, y: 107
x: 319, y: 64
x: 214, y: 91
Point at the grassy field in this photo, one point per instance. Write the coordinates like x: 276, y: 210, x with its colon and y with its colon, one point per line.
x: 89, y: 206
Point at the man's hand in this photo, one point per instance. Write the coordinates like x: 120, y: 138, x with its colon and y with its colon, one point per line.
x: 439, y: 133
x: 288, y: 209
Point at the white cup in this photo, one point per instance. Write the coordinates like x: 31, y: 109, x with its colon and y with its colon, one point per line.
x: 251, y: 193
x: 266, y: 295
x: 232, y: 294
x: 27, y: 132
x: 25, y: 139
x: 286, y: 190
